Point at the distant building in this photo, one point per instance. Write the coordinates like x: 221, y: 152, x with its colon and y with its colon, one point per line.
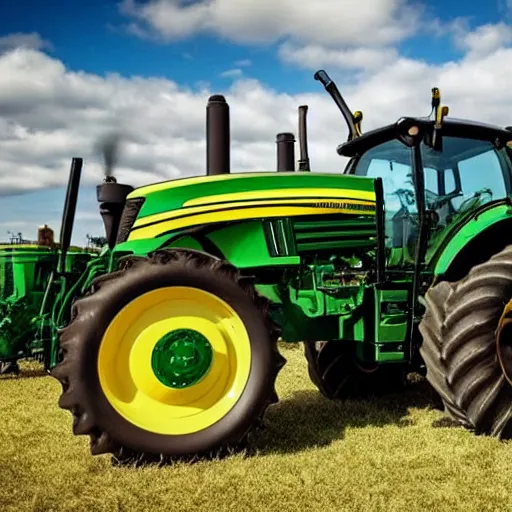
x: 45, y: 236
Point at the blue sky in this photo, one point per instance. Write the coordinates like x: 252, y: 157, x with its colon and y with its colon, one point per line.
x: 66, y: 80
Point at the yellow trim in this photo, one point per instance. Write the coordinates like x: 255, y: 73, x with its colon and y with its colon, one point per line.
x: 286, y: 193
x: 124, y: 361
x: 217, y: 215
x: 143, y: 221
x: 196, y: 180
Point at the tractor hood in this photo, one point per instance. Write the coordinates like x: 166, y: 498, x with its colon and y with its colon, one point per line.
x: 172, y: 206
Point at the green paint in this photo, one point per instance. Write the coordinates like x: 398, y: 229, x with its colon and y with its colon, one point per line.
x: 181, y: 191
x: 464, y: 232
x: 248, y: 235
x: 142, y: 247
x: 391, y: 316
x: 181, y: 358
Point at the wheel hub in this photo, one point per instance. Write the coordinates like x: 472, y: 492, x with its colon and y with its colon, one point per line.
x: 181, y: 358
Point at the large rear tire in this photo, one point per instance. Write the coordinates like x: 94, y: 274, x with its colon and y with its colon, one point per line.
x: 176, y: 308
x: 459, y: 346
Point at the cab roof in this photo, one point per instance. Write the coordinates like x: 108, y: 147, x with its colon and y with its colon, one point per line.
x: 452, y: 127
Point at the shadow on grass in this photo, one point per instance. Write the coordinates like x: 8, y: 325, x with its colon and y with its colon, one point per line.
x: 309, y: 420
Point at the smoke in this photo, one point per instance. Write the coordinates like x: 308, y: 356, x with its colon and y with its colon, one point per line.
x: 109, y: 146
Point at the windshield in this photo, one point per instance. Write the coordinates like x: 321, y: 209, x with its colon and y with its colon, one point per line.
x: 465, y: 175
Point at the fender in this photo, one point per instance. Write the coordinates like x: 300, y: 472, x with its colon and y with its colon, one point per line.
x: 472, y: 239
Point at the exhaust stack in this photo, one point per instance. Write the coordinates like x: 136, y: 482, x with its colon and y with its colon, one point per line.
x: 217, y: 136
x: 112, y: 198
x: 68, y: 215
x: 303, y: 139
x: 285, y: 152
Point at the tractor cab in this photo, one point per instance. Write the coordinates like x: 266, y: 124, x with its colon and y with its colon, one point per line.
x: 472, y: 167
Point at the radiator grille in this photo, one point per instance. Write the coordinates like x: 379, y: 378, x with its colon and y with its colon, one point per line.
x: 310, y: 235
x: 323, y: 235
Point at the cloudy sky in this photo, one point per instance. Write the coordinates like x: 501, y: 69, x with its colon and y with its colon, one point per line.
x: 71, y: 72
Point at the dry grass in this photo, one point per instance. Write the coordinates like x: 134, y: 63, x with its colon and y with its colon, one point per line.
x: 314, y: 455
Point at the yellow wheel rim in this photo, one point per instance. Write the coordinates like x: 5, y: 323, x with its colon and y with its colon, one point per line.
x: 127, y: 356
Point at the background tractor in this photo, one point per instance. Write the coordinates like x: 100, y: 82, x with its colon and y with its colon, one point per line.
x: 26, y: 267
x: 166, y: 345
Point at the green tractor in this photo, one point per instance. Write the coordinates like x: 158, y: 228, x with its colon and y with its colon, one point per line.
x: 168, y: 346
x: 25, y: 271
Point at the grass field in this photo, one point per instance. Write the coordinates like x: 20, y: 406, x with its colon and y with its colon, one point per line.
x: 314, y: 455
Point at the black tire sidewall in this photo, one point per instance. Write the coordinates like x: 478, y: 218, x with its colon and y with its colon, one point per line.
x: 260, y: 383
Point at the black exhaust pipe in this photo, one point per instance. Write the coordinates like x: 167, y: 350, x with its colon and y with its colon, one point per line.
x: 112, y: 198
x: 285, y: 152
x: 333, y: 90
x: 217, y: 136
x: 303, y: 139
x: 68, y: 215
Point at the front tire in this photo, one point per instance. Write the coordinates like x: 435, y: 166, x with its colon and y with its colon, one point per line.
x: 117, y: 371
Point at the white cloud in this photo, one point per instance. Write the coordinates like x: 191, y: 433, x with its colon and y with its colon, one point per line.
x: 49, y: 114
x: 22, y: 40
x: 326, y: 22
x: 136, y: 30
x: 232, y: 73
x: 243, y: 63
x: 484, y: 40
x: 316, y: 56
x: 347, y: 34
